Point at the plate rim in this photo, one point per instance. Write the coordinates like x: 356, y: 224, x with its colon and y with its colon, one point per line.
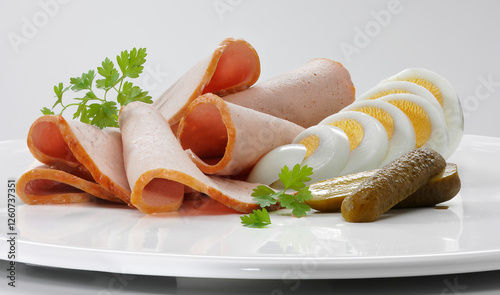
x: 240, y: 267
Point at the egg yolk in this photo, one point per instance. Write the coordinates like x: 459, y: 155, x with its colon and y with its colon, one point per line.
x: 311, y: 143
x: 382, y: 115
x: 387, y: 92
x: 429, y: 86
x: 353, y: 129
x: 418, y: 117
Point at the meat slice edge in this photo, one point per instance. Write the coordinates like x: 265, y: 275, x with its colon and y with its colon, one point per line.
x: 41, y: 184
x: 233, y: 66
x: 158, y: 169
x: 82, y: 150
x: 227, y: 139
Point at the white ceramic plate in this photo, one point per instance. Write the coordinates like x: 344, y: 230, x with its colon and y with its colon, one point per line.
x: 405, y: 242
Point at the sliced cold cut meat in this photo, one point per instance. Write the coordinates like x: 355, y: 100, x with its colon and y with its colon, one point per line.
x: 305, y: 96
x: 227, y: 139
x: 159, y: 171
x: 42, y: 184
x: 232, y: 67
x: 81, y: 150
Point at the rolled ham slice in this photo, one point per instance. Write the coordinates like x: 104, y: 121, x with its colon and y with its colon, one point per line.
x: 227, y: 139
x: 304, y: 96
x: 42, y: 184
x: 82, y: 150
x: 159, y: 171
x: 232, y: 67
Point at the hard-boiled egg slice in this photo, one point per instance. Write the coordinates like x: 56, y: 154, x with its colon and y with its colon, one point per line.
x: 428, y: 122
x: 268, y: 168
x: 328, y: 151
x: 367, y: 138
x: 445, y: 94
x: 398, y: 126
x: 395, y: 87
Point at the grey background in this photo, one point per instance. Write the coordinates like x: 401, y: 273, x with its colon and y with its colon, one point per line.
x: 45, y: 42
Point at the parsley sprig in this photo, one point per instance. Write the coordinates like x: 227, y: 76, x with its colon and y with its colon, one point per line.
x: 103, y: 112
x: 259, y: 218
x: 265, y: 196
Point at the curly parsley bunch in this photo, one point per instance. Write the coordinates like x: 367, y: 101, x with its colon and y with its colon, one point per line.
x: 102, y: 112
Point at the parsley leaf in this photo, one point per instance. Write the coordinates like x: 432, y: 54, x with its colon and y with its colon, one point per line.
x: 109, y: 73
x: 96, y: 110
x: 296, y: 202
x: 131, y: 93
x: 59, y: 92
x: 259, y: 218
x: 131, y: 63
x: 295, y: 178
x: 265, y: 196
x: 47, y: 111
x: 83, y: 82
x: 82, y: 112
x: 300, y: 209
x: 303, y: 195
x: 104, y: 114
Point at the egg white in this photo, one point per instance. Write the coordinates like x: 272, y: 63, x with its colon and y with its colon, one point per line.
x: 409, y: 87
x: 403, y: 138
x: 331, y: 155
x: 439, y: 138
x: 373, y: 147
x: 268, y: 168
x: 452, y: 107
